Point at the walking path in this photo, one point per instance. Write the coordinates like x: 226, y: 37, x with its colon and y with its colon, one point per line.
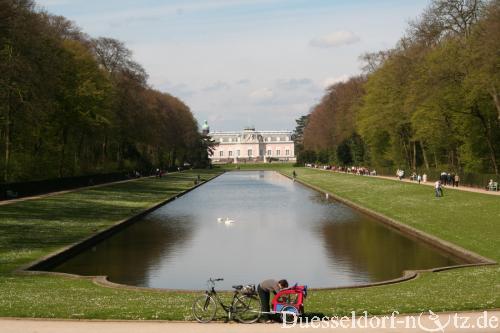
x: 460, y: 188
x: 466, y: 322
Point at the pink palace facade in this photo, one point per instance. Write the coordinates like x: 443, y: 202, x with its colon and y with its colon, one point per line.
x: 250, y: 145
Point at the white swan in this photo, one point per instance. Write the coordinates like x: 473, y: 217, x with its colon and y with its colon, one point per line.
x: 228, y: 221
x: 219, y: 219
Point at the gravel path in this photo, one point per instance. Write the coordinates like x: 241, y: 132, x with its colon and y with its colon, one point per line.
x: 431, y: 183
x: 449, y: 322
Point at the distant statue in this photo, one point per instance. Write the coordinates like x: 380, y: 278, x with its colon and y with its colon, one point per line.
x: 205, y: 129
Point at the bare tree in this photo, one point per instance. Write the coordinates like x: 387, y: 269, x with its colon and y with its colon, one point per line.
x: 446, y: 17
x: 116, y: 58
x: 373, y: 60
x: 64, y: 28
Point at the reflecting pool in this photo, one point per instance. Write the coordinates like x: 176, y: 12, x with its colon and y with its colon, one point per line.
x: 279, y: 229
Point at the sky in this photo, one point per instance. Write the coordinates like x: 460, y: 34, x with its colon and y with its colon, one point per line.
x: 239, y: 63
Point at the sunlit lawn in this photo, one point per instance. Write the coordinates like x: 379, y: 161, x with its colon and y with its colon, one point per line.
x: 31, y: 229
x: 471, y: 220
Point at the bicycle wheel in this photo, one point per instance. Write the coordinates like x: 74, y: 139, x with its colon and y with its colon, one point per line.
x: 247, y: 309
x: 289, y: 314
x: 204, y: 309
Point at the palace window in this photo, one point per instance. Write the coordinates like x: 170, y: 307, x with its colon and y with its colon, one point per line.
x: 230, y: 153
x: 287, y: 152
x: 278, y: 152
x: 249, y: 152
x: 238, y: 153
x: 221, y: 153
x: 269, y: 152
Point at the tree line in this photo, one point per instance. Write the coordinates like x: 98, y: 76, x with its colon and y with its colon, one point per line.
x: 431, y: 102
x: 73, y: 105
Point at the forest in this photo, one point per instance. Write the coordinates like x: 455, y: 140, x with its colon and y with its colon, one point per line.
x: 430, y: 103
x: 75, y: 105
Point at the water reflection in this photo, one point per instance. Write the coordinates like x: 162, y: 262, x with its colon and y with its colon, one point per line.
x: 131, y: 256
x: 362, y: 250
x: 280, y: 229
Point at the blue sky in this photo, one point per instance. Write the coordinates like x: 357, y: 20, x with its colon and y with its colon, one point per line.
x: 245, y: 62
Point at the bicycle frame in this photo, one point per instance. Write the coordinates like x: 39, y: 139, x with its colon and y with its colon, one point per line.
x: 229, y: 309
x: 244, y: 305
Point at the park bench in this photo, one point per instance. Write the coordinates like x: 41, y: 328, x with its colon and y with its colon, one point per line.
x: 493, y: 186
x: 9, y: 194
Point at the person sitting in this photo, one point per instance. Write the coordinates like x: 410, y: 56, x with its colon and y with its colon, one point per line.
x: 264, y: 289
x: 492, y: 186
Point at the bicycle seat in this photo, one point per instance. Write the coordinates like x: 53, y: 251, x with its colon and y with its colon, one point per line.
x: 238, y: 287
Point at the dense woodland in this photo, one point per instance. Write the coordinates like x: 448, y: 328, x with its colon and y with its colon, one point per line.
x: 431, y: 102
x: 75, y: 105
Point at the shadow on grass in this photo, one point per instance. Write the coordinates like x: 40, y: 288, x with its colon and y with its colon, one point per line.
x: 56, y: 221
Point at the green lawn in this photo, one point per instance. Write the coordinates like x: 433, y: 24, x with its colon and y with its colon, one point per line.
x: 471, y: 220
x: 32, y: 229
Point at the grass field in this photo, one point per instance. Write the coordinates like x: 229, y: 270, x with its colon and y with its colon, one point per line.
x: 32, y: 229
x: 471, y: 220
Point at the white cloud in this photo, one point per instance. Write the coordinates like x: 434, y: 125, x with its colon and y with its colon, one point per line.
x: 329, y: 81
x: 294, y: 84
x: 262, y: 51
x: 179, y: 90
x: 217, y: 86
x: 243, y: 82
x: 335, y: 39
x: 262, y: 95
x: 52, y: 2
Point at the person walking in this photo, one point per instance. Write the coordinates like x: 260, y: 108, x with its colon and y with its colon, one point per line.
x: 419, y: 178
x: 457, y: 180
x: 264, y: 290
x: 438, y: 188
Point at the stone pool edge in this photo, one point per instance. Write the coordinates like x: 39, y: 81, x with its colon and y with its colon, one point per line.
x: 471, y: 258
x: 41, y: 265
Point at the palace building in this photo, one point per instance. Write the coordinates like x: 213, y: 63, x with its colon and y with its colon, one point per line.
x: 250, y: 145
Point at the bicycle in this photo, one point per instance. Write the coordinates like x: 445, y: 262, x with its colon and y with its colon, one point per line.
x: 245, y: 304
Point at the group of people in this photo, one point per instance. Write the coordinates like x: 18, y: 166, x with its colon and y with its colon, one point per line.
x: 355, y: 170
x: 360, y: 171
x: 418, y: 177
x: 400, y: 173
x: 447, y: 178
x: 158, y: 173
